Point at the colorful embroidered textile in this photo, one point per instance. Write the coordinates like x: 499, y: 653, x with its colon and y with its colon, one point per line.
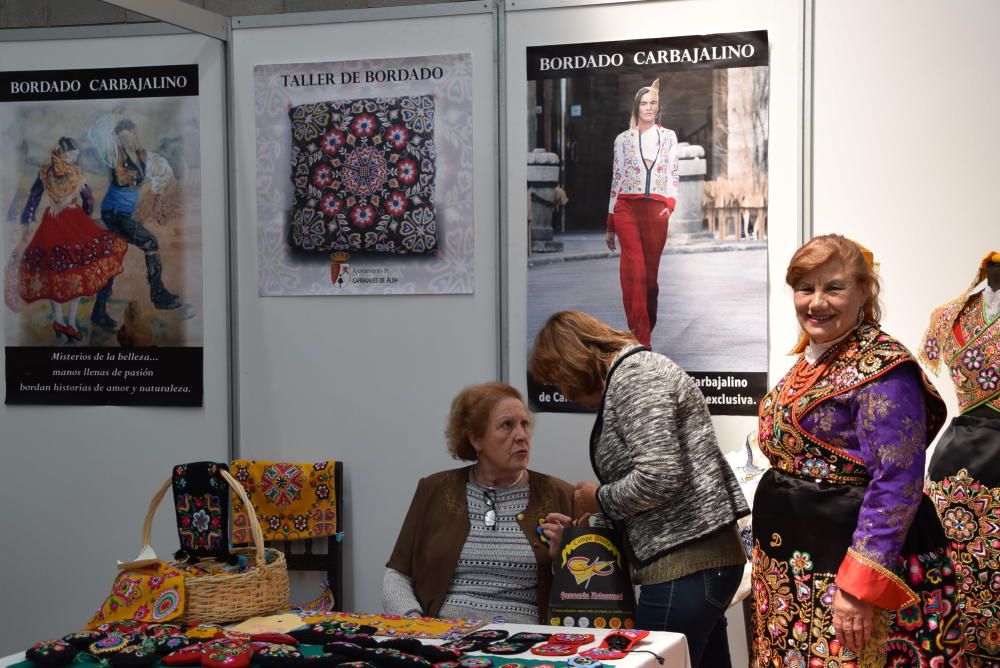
x: 395, y: 626
x: 152, y: 594
x: 843, y: 506
x: 293, y: 501
x: 363, y: 173
x: 321, y: 605
x: 965, y: 487
x: 962, y: 337
x: 201, y: 501
x: 793, y: 591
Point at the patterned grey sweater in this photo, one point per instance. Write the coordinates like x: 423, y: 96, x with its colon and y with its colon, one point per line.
x: 654, y: 451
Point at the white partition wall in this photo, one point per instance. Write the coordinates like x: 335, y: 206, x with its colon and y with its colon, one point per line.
x: 76, y: 480
x: 905, y: 146
x: 366, y: 379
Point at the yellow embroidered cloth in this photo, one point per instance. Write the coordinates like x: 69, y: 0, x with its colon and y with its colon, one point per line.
x: 151, y: 594
x: 395, y: 626
x: 293, y: 500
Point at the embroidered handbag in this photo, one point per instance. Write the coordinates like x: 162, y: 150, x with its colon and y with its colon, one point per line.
x: 591, y: 585
x: 219, y: 596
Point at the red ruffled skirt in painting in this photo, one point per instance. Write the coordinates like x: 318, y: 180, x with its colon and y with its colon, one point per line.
x: 69, y: 256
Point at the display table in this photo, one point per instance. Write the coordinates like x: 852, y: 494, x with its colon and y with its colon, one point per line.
x: 672, y: 647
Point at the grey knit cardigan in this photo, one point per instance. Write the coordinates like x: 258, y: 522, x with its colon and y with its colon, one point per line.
x: 654, y: 451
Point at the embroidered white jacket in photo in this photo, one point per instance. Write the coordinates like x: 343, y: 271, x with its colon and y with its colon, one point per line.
x: 631, y: 178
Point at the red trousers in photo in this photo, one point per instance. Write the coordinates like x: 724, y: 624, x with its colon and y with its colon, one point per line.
x: 642, y: 234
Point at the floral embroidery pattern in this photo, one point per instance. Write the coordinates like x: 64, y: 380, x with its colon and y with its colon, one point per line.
x: 282, y: 483
x: 793, y: 615
x: 973, y: 359
x: 968, y: 358
x: 293, y: 501
x: 155, y: 594
x: 200, y: 520
x: 970, y: 513
x: 867, y: 353
x: 363, y: 172
x: 201, y: 503
x: 988, y: 379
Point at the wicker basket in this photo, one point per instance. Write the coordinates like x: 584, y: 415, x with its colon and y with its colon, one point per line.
x: 227, y: 597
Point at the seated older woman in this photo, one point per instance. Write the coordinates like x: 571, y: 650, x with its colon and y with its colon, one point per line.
x: 469, y: 546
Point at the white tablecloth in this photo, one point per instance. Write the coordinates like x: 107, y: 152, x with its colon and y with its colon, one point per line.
x: 671, y: 646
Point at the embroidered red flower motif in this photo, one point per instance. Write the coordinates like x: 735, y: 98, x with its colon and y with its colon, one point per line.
x: 331, y: 205
x: 395, y: 204
x: 406, y: 170
x: 363, y: 215
x: 364, y: 125
x: 322, y: 492
x: 915, y: 570
x: 331, y: 141
x: 831, y: 654
x: 397, y: 136
x: 322, y: 176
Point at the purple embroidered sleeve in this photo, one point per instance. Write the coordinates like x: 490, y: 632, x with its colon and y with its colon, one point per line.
x: 890, y: 426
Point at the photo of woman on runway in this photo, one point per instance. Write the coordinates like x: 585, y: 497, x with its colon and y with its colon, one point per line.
x: 644, y: 189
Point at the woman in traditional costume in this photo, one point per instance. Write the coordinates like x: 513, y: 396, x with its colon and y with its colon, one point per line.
x: 69, y: 255
x: 964, y: 336
x: 850, y: 565
x: 644, y: 189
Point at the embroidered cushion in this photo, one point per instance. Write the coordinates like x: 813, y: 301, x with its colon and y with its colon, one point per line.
x: 51, y: 653
x: 363, y: 175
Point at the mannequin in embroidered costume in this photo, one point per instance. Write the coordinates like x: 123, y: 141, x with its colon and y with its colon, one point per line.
x: 69, y: 255
x: 130, y: 168
x: 964, y: 474
x: 850, y: 563
x: 644, y: 188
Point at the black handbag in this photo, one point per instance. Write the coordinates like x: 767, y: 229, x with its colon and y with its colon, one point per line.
x: 591, y: 585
